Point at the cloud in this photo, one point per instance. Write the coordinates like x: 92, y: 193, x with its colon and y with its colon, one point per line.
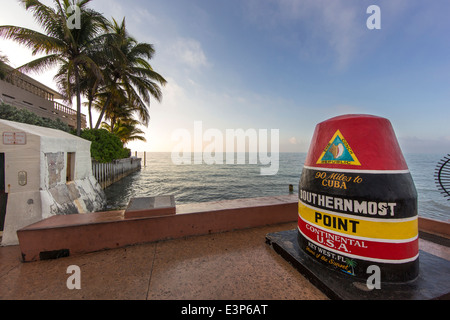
x: 190, y: 53
x: 344, y: 33
x: 173, y: 93
x: 293, y: 140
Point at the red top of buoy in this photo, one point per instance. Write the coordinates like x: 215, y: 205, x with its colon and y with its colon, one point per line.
x: 356, y: 142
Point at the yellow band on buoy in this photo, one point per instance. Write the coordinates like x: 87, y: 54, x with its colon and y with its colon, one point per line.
x: 370, y: 228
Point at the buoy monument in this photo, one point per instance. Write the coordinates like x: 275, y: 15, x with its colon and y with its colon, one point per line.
x: 357, y: 200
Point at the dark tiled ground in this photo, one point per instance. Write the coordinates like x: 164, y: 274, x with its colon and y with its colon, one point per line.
x: 233, y: 265
x: 236, y: 265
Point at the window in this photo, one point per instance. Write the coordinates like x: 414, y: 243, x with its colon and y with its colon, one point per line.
x: 7, y: 96
x: 70, y: 175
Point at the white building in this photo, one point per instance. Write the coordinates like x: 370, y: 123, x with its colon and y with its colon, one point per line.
x: 43, y: 172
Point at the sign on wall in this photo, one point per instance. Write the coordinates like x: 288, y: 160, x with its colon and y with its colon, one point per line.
x: 14, y: 138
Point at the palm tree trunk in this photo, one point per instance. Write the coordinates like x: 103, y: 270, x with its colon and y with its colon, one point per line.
x: 99, y: 121
x: 90, y: 113
x: 78, y: 92
x: 108, y: 101
x: 113, y: 121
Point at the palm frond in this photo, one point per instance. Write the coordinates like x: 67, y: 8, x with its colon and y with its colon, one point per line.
x: 4, y: 68
x: 41, y: 64
x: 36, y: 41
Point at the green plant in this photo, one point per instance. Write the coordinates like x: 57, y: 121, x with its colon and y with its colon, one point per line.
x: 105, y: 146
x: 11, y: 113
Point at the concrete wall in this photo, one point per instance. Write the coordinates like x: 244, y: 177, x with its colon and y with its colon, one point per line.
x: 78, y: 234
x: 46, y: 192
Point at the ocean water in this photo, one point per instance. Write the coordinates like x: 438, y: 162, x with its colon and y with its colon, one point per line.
x: 203, y: 183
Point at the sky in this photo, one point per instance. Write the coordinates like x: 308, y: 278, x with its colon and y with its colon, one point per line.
x: 286, y: 65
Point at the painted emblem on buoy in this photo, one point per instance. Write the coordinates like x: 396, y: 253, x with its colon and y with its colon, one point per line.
x: 338, y: 151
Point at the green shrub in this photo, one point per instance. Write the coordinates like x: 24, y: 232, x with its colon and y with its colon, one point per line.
x: 11, y: 113
x: 105, y: 146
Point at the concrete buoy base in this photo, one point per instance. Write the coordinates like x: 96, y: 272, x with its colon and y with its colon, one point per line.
x: 433, y: 281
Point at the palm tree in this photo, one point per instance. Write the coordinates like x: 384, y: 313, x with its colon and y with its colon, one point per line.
x: 60, y: 43
x: 89, y: 84
x: 126, y: 129
x: 129, y: 73
x: 4, y: 69
x: 117, y: 107
x: 352, y: 263
x: 121, y: 118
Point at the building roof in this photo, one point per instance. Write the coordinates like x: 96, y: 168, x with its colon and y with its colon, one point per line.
x: 39, y: 131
